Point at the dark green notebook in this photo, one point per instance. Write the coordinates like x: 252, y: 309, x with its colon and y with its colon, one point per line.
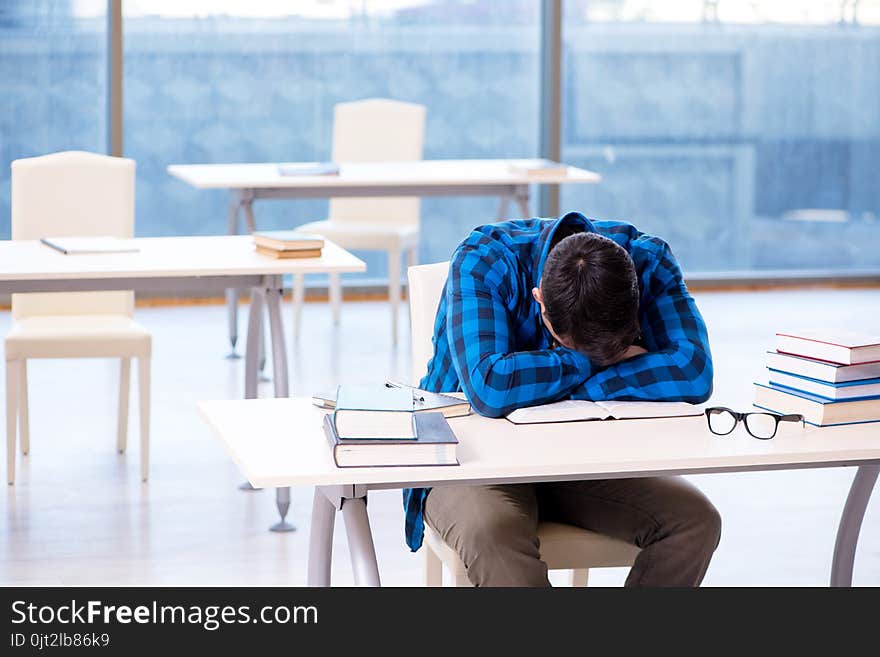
x: 436, y: 444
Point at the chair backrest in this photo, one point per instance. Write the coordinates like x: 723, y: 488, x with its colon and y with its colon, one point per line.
x: 72, y: 194
x: 377, y: 130
x: 425, y: 287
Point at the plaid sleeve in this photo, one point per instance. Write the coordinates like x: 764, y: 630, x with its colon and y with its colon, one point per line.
x: 496, y: 378
x: 678, y: 365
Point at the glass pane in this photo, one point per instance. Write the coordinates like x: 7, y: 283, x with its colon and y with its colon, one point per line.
x: 213, y: 82
x: 721, y: 422
x: 53, y: 82
x: 744, y: 133
x: 761, y: 425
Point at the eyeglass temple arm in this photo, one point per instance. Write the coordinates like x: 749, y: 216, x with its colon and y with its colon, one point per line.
x: 792, y: 417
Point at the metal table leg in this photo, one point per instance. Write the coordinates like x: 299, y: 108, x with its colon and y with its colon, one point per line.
x: 360, y: 542
x: 503, y: 205
x: 321, y: 540
x: 522, y: 199
x: 279, y: 372
x: 851, y: 524
x: 251, y: 356
x: 232, y: 293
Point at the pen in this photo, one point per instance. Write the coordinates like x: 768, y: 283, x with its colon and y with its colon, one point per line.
x: 395, y: 384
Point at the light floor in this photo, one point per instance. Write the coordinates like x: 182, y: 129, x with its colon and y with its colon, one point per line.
x: 79, y: 514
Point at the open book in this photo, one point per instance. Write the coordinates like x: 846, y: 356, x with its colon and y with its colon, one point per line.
x: 576, y: 410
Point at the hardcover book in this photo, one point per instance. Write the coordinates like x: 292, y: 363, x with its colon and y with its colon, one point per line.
x: 434, y: 445
x: 364, y: 412
x: 816, y: 410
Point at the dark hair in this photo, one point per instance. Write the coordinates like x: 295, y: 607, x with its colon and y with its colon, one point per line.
x: 591, y: 295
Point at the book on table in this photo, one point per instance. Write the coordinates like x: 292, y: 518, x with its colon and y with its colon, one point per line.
x: 822, y: 370
x: 288, y: 240
x: 816, y: 410
x: 842, y: 347
x: 538, y: 168
x: 423, y: 402
x: 832, y: 391
x: 308, y: 169
x: 288, y: 255
x: 90, y: 245
x: 365, y: 412
x: 434, y: 444
x: 578, y: 410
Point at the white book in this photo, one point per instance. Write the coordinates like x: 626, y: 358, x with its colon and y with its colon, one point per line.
x: 820, y: 369
x: 843, y: 347
x: 577, y: 410
x: 90, y: 245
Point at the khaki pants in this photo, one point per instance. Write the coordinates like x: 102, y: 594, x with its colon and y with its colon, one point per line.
x: 494, y: 528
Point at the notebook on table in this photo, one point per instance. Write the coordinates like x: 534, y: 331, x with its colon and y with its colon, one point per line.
x: 577, y: 410
x: 423, y: 402
x: 364, y: 412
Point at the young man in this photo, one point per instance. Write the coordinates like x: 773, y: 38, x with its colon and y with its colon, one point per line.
x: 539, y: 310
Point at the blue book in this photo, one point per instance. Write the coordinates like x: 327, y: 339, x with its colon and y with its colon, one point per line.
x: 816, y: 410
x: 370, y: 412
x: 846, y: 390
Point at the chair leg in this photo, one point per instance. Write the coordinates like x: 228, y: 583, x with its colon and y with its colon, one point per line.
x: 335, y: 296
x: 24, y: 424
x: 394, y: 289
x: 299, y: 295
x: 144, y: 413
x: 580, y: 577
x: 124, y: 388
x: 433, y: 568
x: 13, y: 379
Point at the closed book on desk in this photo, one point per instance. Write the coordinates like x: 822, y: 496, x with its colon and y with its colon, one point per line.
x: 816, y: 410
x: 423, y: 402
x: 831, y: 391
x: 820, y: 369
x: 538, y: 168
x: 288, y: 240
x: 435, y: 444
x: 364, y: 412
x: 843, y: 347
x: 288, y: 255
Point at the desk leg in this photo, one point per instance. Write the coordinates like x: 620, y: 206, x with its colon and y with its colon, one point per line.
x: 522, y: 199
x: 232, y: 293
x: 851, y: 524
x: 321, y: 540
x: 251, y: 354
x: 279, y: 372
x: 360, y: 542
x: 503, y: 205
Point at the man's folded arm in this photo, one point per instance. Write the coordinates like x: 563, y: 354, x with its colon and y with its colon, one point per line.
x: 495, y: 378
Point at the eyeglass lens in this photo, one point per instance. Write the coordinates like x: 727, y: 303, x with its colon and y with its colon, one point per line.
x: 761, y: 425
x: 721, y: 421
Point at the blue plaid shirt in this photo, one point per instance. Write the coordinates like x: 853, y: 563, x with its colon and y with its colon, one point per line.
x: 490, y: 342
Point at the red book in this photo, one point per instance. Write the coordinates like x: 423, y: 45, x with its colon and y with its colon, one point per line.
x: 843, y: 347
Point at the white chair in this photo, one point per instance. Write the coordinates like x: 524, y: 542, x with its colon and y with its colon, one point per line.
x: 563, y: 547
x: 373, y: 130
x: 74, y: 194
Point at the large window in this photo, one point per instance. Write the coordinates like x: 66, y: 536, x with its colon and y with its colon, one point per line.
x: 53, y: 82
x: 257, y: 81
x: 745, y: 133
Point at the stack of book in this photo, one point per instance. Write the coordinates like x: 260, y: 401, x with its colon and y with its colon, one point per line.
x: 288, y: 244
x: 829, y: 378
x: 378, y: 426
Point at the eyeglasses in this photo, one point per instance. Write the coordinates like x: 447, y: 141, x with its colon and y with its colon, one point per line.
x: 762, y: 426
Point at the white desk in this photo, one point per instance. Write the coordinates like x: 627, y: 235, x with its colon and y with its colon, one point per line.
x: 260, y: 437
x: 249, y: 182
x: 175, y: 263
